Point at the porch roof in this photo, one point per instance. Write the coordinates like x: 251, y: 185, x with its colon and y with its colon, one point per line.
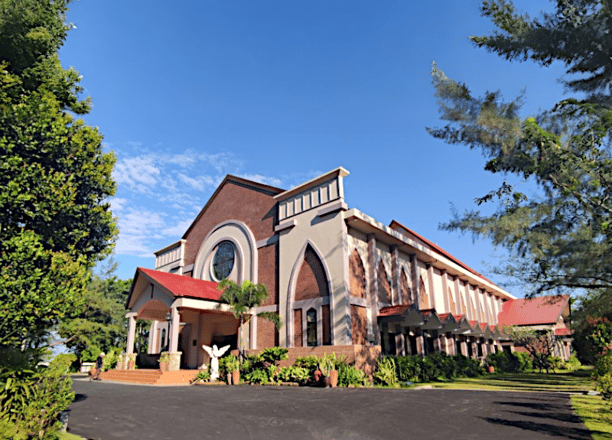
x: 177, y: 285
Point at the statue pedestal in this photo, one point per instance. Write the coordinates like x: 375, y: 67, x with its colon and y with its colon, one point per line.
x: 174, y: 360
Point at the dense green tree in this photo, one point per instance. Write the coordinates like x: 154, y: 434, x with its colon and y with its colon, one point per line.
x: 55, y: 180
x: 100, y: 324
x: 592, y: 324
x: 561, y: 237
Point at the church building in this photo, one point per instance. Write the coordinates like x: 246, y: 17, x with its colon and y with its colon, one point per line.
x: 340, y: 281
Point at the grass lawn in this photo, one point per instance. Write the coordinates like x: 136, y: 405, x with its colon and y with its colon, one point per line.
x: 596, y: 415
x: 574, y: 381
x: 68, y: 436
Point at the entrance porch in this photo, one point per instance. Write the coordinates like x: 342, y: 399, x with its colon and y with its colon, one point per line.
x: 185, y: 314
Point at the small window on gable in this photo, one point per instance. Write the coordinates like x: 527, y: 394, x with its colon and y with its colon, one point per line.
x: 311, y: 328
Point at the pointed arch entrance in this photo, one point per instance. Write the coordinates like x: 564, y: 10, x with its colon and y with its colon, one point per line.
x: 308, y: 303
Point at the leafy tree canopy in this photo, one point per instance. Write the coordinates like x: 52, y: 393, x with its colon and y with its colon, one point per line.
x: 100, y: 324
x: 55, y: 180
x: 561, y: 237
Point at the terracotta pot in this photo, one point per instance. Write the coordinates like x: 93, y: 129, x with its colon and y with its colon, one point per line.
x: 491, y: 369
x: 163, y: 366
x: 333, y: 378
x: 131, y: 365
x: 317, y: 375
x: 326, y: 381
x: 236, y: 377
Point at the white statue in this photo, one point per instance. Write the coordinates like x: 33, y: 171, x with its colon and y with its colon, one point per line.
x: 215, y: 353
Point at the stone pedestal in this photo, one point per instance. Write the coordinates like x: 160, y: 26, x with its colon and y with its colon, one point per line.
x: 121, y: 362
x: 174, y: 361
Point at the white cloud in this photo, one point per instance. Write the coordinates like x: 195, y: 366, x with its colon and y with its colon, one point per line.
x: 199, y: 183
x: 138, y: 173
x: 117, y: 204
x: 272, y: 181
x: 178, y: 229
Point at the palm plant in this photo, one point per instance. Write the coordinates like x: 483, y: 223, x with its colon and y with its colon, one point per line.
x: 242, y: 298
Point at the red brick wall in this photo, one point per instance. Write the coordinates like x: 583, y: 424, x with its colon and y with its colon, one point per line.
x: 359, y: 324
x: 326, y: 324
x: 311, y: 282
x: 268, y: 272
x: 357, y: 275
x: 297, y: 327
x: 384, y: 288
x: 254, y: 208
x: 267, y: 335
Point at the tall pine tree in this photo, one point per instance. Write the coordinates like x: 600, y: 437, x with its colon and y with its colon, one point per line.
x: 561, y: 238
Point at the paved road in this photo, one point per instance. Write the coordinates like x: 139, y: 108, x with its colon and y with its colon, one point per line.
x: 117, y: 411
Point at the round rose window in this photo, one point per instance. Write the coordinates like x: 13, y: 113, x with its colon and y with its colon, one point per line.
x: 223, y: 261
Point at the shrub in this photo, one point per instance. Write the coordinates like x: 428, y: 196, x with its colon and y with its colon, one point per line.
x: 293, y: 374
x: 202, y: 376
x: 468, y: 367
x: 273, y: 355
x: 257, y: 377
x: 505, y: 362
x: 309, y: 362
x: 385, y: 371
x: 31, y: 398
x: 408, y: 368
x: 525, y: 360
x: 572, y: 363
x: 349, y: 375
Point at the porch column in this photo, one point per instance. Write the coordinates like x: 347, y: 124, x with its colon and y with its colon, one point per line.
x: 174, y: 331
x: 131, y: 332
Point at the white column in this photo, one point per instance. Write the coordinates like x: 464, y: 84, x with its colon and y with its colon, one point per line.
x: 174, y: 331
x: 131, y: 332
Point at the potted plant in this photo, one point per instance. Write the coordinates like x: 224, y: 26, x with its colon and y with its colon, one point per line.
x: 232, y: 366
x: 326, y: 365
x: 163, y: 360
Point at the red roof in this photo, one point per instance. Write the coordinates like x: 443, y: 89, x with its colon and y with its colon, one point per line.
x: 181, y: 285
x: 533, y: 311
x: 393, y: 310
x: 563, y: 332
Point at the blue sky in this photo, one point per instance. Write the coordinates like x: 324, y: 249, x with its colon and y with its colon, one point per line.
x: 186, y: 92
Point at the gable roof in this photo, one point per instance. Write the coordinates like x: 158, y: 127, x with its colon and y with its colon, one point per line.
x: 178, y: 285
x: 256, y: 186
x: 533, y: 311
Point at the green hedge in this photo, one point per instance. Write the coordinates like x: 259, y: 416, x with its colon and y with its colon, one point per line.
x: 505, y: 362
x: 435, y: 366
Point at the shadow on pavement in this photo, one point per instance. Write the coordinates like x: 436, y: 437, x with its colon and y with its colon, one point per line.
x: 559, y: 431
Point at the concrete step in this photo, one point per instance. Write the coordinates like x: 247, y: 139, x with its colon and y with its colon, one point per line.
x: 150, y: 377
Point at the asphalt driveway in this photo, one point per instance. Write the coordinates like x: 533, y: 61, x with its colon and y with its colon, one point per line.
x: 117, y: 411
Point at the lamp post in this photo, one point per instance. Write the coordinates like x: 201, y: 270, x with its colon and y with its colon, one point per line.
x: 169, y: 321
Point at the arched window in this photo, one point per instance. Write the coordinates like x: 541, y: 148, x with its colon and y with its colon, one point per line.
x: 406, y: 294
x: 223, y: 261
x: 357, y: 276
x: 384, y: 287
x: 423, y: 296
x: 311, y: 328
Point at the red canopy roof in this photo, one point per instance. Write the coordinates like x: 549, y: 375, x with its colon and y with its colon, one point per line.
x: 563, y: 332
x: 181, y: 285
x: 533, y: 311
x: 393, y: 310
